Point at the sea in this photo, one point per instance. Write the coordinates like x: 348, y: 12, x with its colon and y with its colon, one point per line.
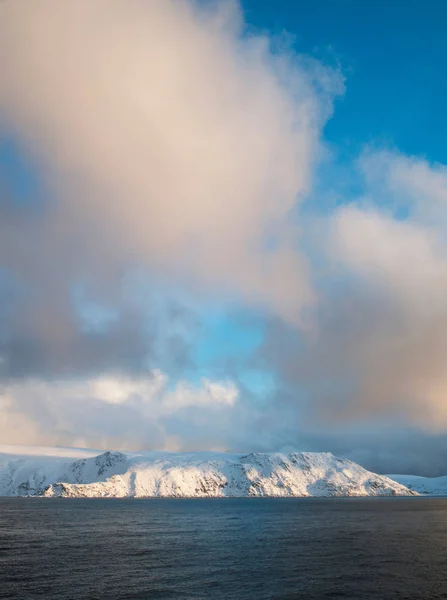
x: 232, y: 549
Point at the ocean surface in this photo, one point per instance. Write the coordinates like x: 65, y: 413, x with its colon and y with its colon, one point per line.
x: 229, y: 549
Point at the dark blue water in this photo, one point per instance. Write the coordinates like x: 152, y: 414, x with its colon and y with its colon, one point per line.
x: 231, y: 549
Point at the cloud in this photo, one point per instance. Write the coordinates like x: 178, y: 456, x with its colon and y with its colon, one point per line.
x: 173, y: 150
x: 132, y: 412
x: 129, y: 329
x: 400, y: 268
x: 169, y: 149
x: 376, y: 355
x: 168, y: 138
x: 410, y: 183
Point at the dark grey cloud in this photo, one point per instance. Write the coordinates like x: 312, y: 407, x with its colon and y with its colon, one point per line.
x: 53, y: 341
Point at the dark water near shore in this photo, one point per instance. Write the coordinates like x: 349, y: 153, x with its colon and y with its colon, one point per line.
x: 233, y: 549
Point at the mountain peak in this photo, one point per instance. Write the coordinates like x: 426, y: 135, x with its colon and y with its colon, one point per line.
x: 199, y: 474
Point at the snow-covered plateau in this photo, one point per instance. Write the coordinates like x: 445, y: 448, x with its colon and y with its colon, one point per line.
x: 428, y: 486
x: 76, y: 473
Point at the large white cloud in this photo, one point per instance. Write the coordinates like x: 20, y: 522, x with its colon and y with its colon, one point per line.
x: 168, y: 138
x: 378, y: 349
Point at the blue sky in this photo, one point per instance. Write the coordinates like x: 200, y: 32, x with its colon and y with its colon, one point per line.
x: 394, y: 57
x: 140, y: 195
x: 18, y: 178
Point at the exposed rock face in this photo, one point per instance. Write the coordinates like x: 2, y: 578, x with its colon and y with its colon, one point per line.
x: 196, y: 475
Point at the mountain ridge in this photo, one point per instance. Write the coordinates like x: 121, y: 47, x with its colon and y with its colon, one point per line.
x: 186, y: 475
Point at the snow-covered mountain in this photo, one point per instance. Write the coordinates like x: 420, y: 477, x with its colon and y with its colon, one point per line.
x: 431, y: 486
x: 53, y: 472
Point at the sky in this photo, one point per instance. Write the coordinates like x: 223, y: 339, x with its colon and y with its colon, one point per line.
x: 222, y: 227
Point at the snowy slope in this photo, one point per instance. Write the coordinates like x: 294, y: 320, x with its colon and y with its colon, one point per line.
x: 53, y: 472
x: 26, y: 468
x: 432, y: 486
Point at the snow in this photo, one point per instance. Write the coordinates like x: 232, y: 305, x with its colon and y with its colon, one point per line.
x: 432, y: 486
x: 76, y: 472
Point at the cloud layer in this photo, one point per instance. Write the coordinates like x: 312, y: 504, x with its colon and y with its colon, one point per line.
x: 174, y: 150
x: 375, y: 359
